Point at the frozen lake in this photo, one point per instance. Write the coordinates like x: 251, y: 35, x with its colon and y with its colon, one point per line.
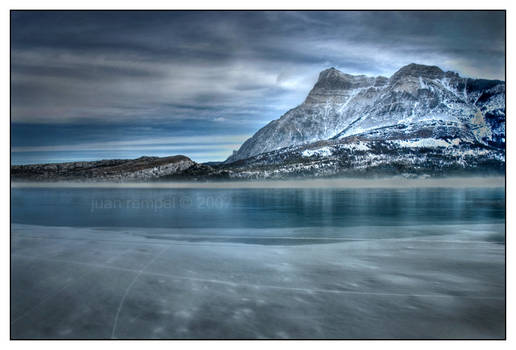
x: 258, y: 263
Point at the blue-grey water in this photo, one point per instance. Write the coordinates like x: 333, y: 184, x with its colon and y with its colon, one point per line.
x: 255, y: 208
x: 258, y: 263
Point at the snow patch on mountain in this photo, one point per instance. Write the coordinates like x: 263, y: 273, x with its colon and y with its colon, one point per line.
x: 426, y: 142
x: 321, y: 152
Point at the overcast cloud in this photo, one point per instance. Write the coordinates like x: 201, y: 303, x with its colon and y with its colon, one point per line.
x: 125, y: 76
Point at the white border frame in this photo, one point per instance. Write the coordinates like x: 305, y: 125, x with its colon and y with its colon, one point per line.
x: 510, y: 6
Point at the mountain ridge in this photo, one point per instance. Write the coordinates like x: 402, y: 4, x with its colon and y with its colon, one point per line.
x: 142, y: 168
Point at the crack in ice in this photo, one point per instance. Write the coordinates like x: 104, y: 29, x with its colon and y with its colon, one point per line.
x: 128, y: 289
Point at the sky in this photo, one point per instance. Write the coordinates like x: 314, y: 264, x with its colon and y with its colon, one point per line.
x: 90, y: 85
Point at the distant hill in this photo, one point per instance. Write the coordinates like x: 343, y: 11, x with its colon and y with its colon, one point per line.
x: 143, y: 168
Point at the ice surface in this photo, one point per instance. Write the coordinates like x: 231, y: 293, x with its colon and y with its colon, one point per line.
x: 157, y: 283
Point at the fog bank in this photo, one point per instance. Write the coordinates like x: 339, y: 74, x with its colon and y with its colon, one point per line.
x: 394, y: 182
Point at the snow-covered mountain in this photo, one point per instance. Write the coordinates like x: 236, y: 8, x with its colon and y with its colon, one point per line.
x: 418, y: 105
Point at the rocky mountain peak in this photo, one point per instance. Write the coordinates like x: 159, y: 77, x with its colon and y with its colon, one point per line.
x: 418, y: 70
x: 325, y: 74
x: 333, y: 79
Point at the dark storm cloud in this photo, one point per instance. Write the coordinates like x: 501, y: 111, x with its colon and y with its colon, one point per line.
x: 241, y: 69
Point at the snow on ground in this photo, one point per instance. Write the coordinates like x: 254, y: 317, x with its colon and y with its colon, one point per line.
x: 358, y: 146
x: 444, y: 282
x: 328, y: 151
x: 321, y: 152
x: 426, y: 142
